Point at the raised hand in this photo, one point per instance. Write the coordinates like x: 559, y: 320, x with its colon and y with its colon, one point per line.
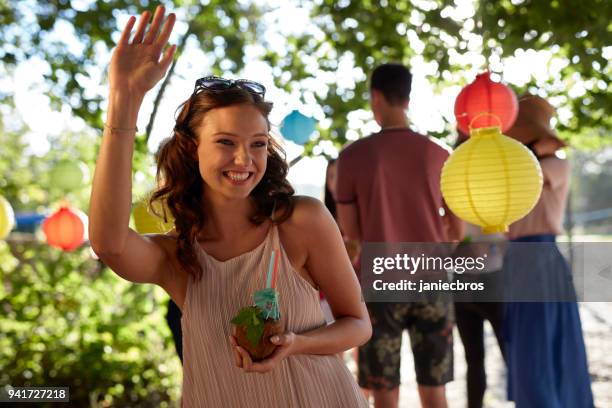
x: 137, y: 65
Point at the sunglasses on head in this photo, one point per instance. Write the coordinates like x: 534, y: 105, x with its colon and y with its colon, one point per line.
x: 214, y: 83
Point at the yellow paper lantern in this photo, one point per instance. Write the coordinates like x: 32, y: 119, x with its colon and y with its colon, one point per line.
x: 7, y: 218
x: 148, y: 223
x: 491, y: 180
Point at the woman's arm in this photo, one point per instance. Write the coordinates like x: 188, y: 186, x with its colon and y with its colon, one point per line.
x: 555, y: 171
x: 329, y: 266
x: 111, y: 194
x: 135, y: 68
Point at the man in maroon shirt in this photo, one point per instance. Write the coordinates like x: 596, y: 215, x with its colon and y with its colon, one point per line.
x: 388, y: 190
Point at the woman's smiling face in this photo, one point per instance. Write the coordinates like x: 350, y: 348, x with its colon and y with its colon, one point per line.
x: 233, y: 150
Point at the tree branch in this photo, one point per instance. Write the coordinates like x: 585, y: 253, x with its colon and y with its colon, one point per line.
x: 162, y: 89
x: 296, y: 160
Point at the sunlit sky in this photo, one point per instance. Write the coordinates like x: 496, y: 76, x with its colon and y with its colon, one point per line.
x: 427, y: 110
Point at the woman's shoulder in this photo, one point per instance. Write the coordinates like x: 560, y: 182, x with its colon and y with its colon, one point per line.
x: 556, y: 171
x: 302, y: 232
x: 306, y: 210
x: 308, y: 215
x: 555, y: 162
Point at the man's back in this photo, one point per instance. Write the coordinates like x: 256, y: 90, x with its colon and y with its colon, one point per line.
x: 393, y: 177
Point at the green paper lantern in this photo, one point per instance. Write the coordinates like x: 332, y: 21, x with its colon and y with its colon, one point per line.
x: 68, y: 175
x: 7, y: 218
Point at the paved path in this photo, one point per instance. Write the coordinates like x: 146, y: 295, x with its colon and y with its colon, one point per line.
x: 597, y: 328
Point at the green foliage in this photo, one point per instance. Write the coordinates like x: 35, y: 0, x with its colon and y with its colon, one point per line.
x: 252, y: 318
x: 577, y: 30
x: 371, y: 32
x: 363, y: 32
x: 27, y: 30
x: 68, y: 321
x: 25, y: 178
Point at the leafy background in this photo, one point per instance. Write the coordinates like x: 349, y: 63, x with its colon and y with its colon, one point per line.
x: 67, y: 319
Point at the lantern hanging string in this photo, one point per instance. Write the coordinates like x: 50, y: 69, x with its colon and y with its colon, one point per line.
x: 480, y: 115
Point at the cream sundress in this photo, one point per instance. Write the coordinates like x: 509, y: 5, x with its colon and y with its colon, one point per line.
x: 210, y: 377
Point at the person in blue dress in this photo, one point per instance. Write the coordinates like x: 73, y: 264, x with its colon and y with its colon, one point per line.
x: 545, y: 351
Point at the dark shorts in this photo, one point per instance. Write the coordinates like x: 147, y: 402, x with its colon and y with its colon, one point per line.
x: 430, y: 326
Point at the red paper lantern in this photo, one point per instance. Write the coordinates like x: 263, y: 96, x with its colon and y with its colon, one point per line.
x: 64, y: 229
x: 485, y: 96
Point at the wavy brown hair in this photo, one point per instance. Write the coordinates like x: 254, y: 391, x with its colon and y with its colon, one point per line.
x: 180, y: 186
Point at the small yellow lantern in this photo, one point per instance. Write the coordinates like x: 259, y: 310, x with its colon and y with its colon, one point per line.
x: 7, y: 218
x: 148, y: 223
x: 491, y: 180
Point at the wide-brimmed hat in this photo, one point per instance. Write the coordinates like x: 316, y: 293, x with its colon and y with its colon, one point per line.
x: 533, y: 121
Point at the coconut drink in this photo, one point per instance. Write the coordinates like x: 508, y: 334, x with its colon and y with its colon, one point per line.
x: 256, y: 324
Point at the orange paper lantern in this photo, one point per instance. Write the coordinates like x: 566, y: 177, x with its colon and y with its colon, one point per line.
x: 64, y: 229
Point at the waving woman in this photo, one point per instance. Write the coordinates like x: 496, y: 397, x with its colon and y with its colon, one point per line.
x: 223, y: 178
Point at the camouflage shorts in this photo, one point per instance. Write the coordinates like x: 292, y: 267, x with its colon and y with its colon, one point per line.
x: 430, y: 326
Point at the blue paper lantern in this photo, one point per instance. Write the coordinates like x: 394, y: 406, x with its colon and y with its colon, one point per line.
x: 297, y: 127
